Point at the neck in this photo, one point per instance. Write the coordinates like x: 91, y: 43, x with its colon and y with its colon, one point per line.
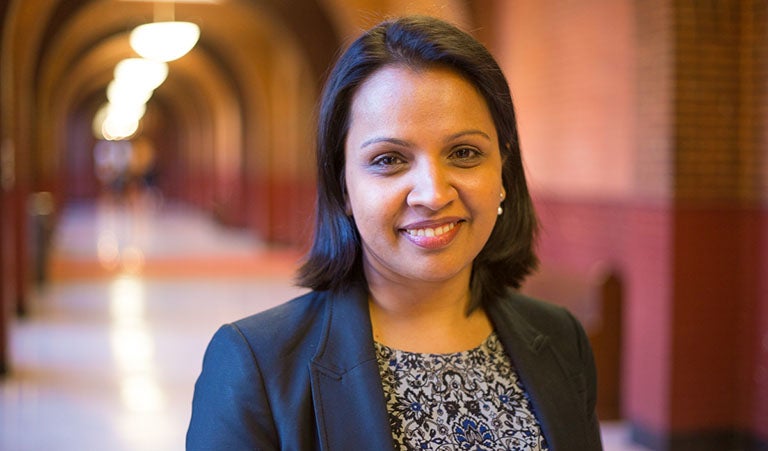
x: 426, y: 317
x: 414, y: 300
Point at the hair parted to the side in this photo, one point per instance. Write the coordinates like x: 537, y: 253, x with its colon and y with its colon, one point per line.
x: 334, y: 261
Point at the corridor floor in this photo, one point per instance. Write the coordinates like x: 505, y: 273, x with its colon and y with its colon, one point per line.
x: 108, y: 354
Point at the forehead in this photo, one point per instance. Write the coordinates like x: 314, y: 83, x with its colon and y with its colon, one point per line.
x: 401, y: 77
x: 419, y: 97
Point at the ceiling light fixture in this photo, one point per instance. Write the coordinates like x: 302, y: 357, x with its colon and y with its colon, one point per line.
x: 143, y: 72
x: 164, y: 41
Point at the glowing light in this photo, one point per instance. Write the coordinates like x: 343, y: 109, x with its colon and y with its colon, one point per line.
x: 117, y: 121
x: 133, y: 347
x: 98, y: 121
x: 141, y: 72
x: 164, y: 41
x: 122, y: 92
x: 127, y: 299
x: 122, y: 120
x: 134, y: 83
x: 142, y: 394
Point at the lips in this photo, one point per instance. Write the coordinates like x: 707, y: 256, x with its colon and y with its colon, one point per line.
x: 431, y: 231
x: 432, y: 235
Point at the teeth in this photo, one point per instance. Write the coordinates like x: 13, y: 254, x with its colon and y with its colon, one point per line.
x: 431, y: 232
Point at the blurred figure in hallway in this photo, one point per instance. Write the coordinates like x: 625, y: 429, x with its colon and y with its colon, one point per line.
x: 111, y: 161
x: 127, y: 170
x: 142, y: 172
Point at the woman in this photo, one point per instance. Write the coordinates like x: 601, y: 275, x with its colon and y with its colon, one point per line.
x: 412, y: 336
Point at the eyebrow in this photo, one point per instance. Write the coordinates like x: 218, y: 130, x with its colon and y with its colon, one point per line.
x: 404, y: 143
x: 379, y: 139
x: 469, y: 132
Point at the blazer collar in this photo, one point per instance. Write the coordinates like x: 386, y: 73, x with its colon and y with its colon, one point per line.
x: 346, y: 386
x: 349, y: 399
x: 550, y: 387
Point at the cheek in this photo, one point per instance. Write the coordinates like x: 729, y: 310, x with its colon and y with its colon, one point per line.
x: 351, y: 194
x: 375, y: 207
x: 483, y: 194
x: 362, y: 199
x: 351, y: 191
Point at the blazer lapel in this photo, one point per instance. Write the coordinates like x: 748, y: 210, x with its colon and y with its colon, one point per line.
x: 551, y: 389
x: 346, y: 386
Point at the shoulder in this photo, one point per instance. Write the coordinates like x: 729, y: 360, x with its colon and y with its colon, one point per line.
x: 294, y: 324
x: 253, y: 373
x: 544, y: 316
x: 293, y: 313
x: 538, y: 317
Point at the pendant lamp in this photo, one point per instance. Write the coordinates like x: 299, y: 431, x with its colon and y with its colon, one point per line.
x: 164, y: 41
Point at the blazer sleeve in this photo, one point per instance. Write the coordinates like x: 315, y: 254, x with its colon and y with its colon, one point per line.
x: 590, y: 384
x: 230, y: 408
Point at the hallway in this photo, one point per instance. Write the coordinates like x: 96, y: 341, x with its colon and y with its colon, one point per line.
x: 107, y: 359
x: 644, y: 146
x: 109, y: 353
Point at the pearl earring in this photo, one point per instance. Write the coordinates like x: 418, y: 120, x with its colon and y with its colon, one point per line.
x: 499, y: 211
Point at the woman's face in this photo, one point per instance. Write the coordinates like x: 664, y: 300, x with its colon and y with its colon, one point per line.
x: 423, y: 174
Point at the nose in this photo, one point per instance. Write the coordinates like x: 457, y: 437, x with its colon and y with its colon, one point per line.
x: 431, y: 186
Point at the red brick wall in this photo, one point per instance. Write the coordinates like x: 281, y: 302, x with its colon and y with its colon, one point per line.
x: 5, y: 282
x: 757, y: 37
x: 715, y: 277
x: 634, y: 241
x: 280, y: 210
x: 594, y: 123
x: 760, y: 378
x: 665, y: 181
x: 574, y: 91
x: 718, y: 181
x: 715, y: 152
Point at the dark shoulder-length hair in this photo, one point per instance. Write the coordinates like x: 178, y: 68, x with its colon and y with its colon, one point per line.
x: 334, y: 261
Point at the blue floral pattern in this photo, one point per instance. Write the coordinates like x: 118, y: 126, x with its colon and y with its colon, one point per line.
x: 470, y: 400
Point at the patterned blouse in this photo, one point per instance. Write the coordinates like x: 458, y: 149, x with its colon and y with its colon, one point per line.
x: 466, y: 400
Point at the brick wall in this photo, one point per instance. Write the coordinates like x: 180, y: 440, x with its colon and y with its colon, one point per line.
x: 756, y: 38
x: 593, y: 88
x: 716, y: 153
x: 719, y: 184
x: 574, y: 91
x: 673, y: 197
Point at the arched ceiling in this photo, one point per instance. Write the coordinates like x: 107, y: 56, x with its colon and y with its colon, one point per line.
x: 58, y: 57
x: 233, y: 117
x: 76, y: 26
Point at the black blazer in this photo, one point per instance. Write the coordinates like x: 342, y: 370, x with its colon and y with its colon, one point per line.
x: 304, y: 376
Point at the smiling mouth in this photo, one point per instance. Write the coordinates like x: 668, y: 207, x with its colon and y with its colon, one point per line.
x: 434, y: 236
x: 431, y: 231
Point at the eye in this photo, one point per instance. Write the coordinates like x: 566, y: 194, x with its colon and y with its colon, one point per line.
x: 464, y: 152
x: 387, y: 163
x: 466, y: 156
x: 387, y: 160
